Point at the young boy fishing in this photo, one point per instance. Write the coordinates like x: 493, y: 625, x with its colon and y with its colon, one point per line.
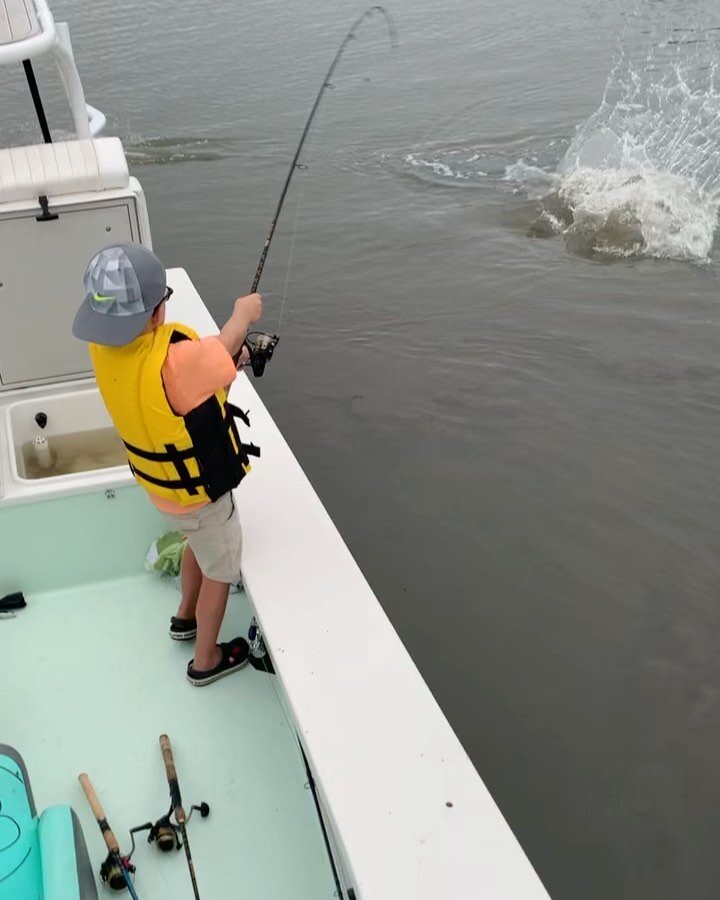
x: 166, y: 392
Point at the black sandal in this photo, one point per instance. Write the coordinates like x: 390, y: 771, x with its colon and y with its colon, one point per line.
x: 234, y: 657
x: 182, y: 629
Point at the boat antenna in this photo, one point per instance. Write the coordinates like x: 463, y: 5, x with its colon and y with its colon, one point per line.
x: 261, y: 345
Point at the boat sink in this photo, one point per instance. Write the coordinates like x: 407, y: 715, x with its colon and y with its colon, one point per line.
x: 60, y: 435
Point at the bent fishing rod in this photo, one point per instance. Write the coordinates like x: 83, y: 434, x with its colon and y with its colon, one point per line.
x: 260, y: 345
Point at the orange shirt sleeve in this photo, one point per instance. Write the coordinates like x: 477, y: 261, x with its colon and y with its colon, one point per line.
x: 194, y: 371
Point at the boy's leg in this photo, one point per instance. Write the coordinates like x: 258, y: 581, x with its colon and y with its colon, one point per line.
x: 191, y: 582
x: 215, y: 542
x: 209, y: 614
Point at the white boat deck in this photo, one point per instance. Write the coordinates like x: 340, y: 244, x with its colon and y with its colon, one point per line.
x: 95, y: 681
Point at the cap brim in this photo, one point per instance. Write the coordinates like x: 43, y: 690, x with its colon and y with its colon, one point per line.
x: 112, y: 331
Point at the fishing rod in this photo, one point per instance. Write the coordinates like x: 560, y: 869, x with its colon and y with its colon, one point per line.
x: 176, y: 805
x: 116, y: 870
x: 164, y: 833
x: 260, y: 345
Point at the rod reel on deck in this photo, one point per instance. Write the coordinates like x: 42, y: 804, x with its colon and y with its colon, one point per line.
x: 113, y: 871
x: 117, y: 868
x: 164, y: 833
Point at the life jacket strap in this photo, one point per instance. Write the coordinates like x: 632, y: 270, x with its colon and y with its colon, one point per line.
x: 170, y: 456
x: 178, y: 458
x: 188, y: 484
x: 234, y: 412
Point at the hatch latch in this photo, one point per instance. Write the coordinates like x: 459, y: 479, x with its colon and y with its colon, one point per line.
x: 46, y: 215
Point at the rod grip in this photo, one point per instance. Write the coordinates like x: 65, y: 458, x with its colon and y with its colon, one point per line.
x: 99, y: 813
x: 172, y: 778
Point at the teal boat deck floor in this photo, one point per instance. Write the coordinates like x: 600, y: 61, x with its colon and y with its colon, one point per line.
x: 91, y: 679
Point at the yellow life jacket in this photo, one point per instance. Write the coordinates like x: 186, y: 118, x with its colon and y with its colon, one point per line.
x: 186, y: 459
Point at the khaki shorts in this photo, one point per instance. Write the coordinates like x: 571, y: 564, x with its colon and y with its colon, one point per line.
x: 214, y: 535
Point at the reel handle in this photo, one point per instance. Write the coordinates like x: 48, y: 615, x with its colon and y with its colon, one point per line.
x: 171, y: 774
x: 99, y: 813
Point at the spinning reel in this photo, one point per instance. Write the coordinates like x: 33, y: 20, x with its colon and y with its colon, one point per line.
x: 111, y: 871
x: 164, y: 833
x: 260, y: 346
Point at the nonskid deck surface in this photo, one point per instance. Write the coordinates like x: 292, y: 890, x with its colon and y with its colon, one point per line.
x: 91, y: 679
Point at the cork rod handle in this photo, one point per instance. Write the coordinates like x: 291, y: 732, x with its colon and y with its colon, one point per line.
x: 171, y: 773
x: 99, y: 814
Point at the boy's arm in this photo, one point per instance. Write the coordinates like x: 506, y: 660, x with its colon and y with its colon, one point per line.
x: 247, y: 311
x: 195, y: 370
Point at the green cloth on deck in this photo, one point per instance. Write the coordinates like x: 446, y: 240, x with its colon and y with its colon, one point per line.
x: 166, y: 553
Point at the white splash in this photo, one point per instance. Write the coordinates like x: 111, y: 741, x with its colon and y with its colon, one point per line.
x: 536, y: 182
x: 435, y: 166
x: 645, y: 213
x: 642, y: 175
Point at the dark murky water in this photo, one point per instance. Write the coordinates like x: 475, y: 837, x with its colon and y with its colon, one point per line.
x: 518, y: 437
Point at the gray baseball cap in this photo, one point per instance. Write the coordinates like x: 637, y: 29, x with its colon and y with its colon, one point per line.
x: 123, y: 285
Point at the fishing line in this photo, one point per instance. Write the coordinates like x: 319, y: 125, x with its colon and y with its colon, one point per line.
x: 316, y: 105
x: 291, y: 250
x: 261, y: 345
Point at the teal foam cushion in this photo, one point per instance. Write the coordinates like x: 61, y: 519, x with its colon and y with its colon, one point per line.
x: 20, y: 874
x: 57, y: 854
x: 40, y: 858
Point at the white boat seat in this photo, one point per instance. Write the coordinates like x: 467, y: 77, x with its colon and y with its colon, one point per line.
x: 18, y: 21
x: 68, y: 167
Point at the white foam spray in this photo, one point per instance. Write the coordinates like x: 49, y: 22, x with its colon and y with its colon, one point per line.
x: 642, y: 175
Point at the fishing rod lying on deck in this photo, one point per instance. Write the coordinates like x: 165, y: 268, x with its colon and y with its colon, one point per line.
x: 259, y: 344
x: 164, y: 833
x: 176, y: 802
x: 117, y: 869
